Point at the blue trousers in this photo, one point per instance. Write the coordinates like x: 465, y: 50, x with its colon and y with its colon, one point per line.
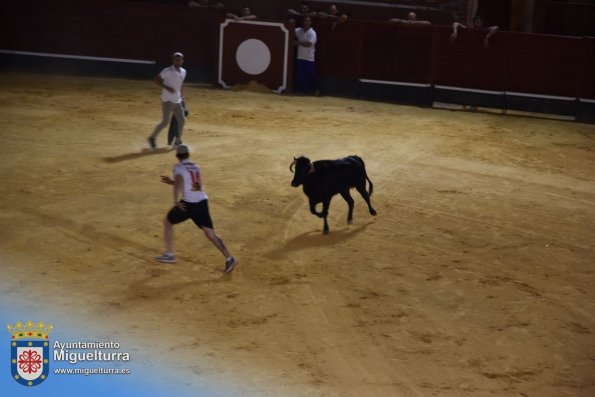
x: 306, y: 76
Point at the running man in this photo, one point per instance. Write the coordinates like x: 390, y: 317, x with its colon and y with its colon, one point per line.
x: 171, y: 80
x: 194, y: 205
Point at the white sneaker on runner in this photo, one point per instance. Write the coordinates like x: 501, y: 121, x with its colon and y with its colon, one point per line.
x: 166, y: 258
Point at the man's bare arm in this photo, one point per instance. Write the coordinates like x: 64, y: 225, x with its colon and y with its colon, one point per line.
x: 178, y: 188
x: 492, y: 32
x: 167, y: 180
x: 455, y: 31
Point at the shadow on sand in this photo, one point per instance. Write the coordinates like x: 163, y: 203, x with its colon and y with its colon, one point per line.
x: 132, y: 156
x: 316, y: 239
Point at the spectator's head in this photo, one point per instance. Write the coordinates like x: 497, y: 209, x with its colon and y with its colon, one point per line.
x: 411, y: 16
x: 333, y: 10
x: 178, y: 59
x: 304, y: 7
x: 477, y: 22
x: 246, y: 11
x: 307, y: 22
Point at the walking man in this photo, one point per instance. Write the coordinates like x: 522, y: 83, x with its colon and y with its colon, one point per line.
x: 194, y: 205
x: 171, y: 80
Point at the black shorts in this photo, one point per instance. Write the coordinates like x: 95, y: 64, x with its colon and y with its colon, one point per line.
x: 198, y: 212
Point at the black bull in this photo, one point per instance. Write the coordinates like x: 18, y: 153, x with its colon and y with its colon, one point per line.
x: 323, y: 179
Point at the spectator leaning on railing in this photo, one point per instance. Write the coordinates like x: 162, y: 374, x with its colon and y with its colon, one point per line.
x: 245, y: 15
x: 411, y: 19
x: 205, y: 3
x: 333, y: 14
x: 477, y: 24
x: 295, y: 18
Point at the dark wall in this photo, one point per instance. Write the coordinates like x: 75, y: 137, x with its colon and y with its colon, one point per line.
x: 495, y: 13
x: 587, y: 77
x: 466, y: 63
x: 514, y: 62
x: 434, y: 10
x: 518, y: 62
x: 110, y: 28
x: 570, y: 19
x: 439, y: 12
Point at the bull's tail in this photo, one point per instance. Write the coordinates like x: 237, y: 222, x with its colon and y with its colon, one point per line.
x: 358, y: 158
x: 371, y: 185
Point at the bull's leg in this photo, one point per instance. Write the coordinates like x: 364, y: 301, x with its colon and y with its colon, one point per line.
x: 362, y: 190
x: 349, y: 200
x: 313, y: 209
x: 325, y: 205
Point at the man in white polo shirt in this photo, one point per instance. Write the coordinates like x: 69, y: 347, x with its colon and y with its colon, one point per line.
x: 194, y: 205
x: 171, y: 80
x: 306, y: 42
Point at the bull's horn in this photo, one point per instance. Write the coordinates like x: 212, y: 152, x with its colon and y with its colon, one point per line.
x: 291, y: 165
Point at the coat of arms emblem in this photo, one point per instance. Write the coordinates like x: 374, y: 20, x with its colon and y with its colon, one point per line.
x: 29, y: 352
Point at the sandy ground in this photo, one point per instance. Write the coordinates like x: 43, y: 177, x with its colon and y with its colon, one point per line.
x: 475, y: 279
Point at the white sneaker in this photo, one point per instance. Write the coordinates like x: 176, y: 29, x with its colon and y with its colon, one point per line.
x: 166, y: 258
x: 230, y: 264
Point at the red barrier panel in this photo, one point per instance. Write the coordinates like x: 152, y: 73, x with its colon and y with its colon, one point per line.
x: 35, y: 26
x: 338, y: 50
x: 396, y: 52
x: 540, y: 64
x: 153, y: 32
x: 587, y: 81
x: 414, y: 53
x: 466, y: 63
x: 513, y: 62
x: 114, y: 29
x: 379, y: 51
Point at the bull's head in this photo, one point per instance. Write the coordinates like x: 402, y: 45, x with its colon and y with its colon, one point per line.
x: 302, y: 168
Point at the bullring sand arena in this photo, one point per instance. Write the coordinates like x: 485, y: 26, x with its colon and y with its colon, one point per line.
x: 475, y: 279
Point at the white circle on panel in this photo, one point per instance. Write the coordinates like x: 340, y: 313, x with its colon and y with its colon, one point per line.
x: 253, y: 56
